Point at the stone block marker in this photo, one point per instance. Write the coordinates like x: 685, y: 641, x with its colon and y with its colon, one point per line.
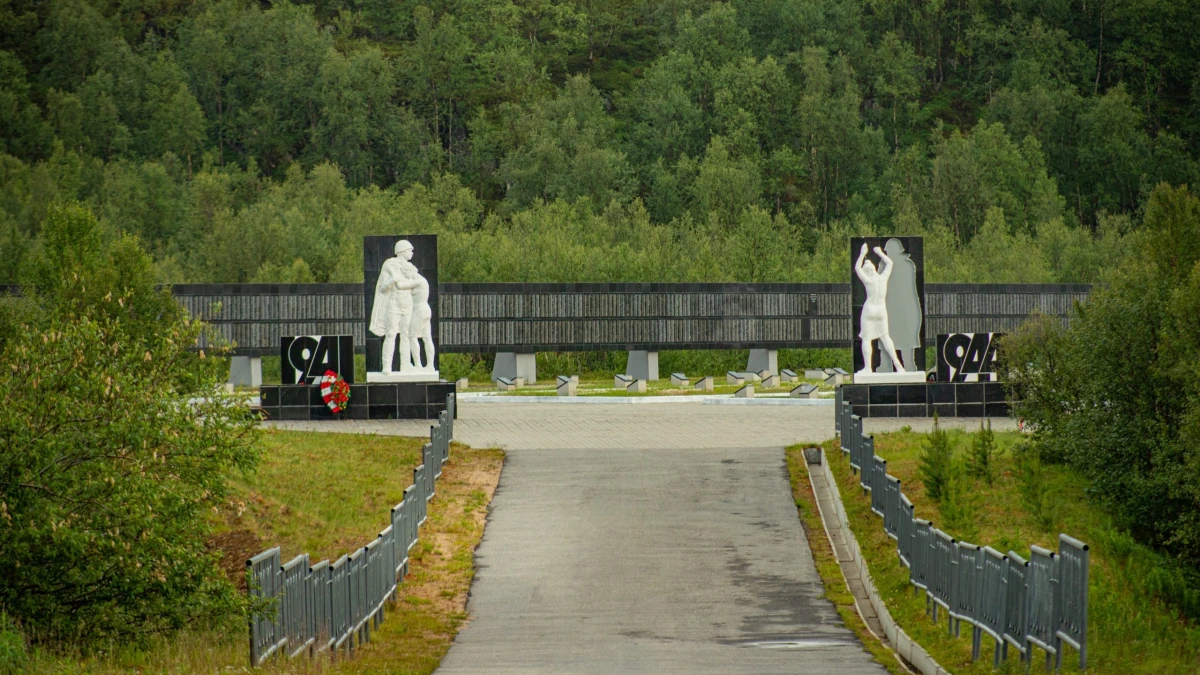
x: 505, y: 384
x: 704, y: 383
x: 734, y: 378
x: 679, y: 380
x: 636, y: 387
x: 764, y: 374
x: 621, y: 381
x: 245, y: 371
x: 462, y: 383
x: 804, y: 391
x: 815, y: 374
x: 566, y: 386
x: 770, y: 381
x: 519, y: 381
x: 835, y: 379
x: 745, y: 392
x: 789, y: 375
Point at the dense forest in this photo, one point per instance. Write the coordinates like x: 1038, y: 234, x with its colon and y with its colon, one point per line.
x: 583, y: 140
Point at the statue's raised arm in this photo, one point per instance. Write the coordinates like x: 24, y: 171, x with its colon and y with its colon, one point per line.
x: 858, y: 266
x: 885, y: 267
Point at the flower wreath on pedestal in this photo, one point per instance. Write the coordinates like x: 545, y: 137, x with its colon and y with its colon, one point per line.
x: 335, y: 391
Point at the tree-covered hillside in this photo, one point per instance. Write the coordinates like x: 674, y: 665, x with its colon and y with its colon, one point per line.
x: 623, y: 139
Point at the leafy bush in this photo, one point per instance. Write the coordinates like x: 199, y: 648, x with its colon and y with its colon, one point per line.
x: 115, y: 443
x: 13, y: 653
x: 936, y: 462
x: 1117, y: 395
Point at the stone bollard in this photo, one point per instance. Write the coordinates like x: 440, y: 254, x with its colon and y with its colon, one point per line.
x: 566, y: 386
x: 704, y: 384
x: 745, y: 392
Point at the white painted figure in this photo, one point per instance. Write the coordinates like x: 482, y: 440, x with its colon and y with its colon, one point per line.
x: 392, y: 313
x: 420, y: 326
x: 874, y: 322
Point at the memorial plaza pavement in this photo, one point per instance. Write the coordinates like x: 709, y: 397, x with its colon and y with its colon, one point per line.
x: 648, y: 538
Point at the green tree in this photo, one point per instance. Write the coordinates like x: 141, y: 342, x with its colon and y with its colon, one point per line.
x: 116, y: 444
x: 936, y: 462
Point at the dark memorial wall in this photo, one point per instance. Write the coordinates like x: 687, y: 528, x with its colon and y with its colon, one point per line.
x: 376, y: 251
x: 485, y: 317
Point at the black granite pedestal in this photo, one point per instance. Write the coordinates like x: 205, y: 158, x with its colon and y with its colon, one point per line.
x: 375, y: 401
x: 947, y: 399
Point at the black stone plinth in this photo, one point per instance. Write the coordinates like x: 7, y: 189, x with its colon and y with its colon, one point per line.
x: 374, y: 401
x: 947, y: 399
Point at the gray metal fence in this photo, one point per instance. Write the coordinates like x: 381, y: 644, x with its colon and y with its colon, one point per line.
x: 315, y: 608
x: 1040, y: 603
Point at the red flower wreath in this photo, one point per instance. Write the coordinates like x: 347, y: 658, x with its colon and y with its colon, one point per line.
x: 335, y: 391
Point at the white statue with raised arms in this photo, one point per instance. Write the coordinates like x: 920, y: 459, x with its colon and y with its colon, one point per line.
x: 874, y: 322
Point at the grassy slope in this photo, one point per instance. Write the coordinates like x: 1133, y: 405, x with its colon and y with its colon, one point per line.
x: 325, y: 494
x: 1130, y: 629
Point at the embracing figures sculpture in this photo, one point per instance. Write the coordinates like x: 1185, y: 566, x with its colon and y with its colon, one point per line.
x: 401, y: 309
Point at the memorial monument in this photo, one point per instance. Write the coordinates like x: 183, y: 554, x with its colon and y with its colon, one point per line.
x: 888, y: 316
x: 401, y: 309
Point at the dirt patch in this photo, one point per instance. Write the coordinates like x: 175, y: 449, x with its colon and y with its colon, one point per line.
x: 236, y: 546
x: 442, y: 572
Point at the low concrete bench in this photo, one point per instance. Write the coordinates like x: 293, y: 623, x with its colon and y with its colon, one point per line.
x: 704, y: 383
x: 745, y: 392
x: 804, y: 391
x: 789, y: 375
x: 734, y: 378
x: 567, y: 385
x: 679, y: 380
x: 506, y: 384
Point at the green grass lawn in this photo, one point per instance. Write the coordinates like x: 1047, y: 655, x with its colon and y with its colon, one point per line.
x: 327, y: 494
x: 1132, y: 625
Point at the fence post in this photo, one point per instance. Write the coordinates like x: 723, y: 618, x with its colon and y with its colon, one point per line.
x: 1070, y: 625
x: 1039, y: 603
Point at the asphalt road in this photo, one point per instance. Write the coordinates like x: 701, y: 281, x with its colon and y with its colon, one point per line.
x: 656, y: 538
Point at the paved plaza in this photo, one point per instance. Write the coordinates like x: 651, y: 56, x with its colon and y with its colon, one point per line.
x: 650, y: 538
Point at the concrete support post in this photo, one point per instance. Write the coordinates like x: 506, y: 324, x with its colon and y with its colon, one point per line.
x: 245, y: 371
x: 643, y: 365
x: 512, y: 365
x: 763, y: 359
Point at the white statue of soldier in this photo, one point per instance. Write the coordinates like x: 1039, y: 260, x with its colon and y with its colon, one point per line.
x: 392, y: 313
x: 874, y: 322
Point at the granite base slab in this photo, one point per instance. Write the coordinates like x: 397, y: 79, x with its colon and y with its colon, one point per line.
x: 374, y: 401
x: 946, y: 399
